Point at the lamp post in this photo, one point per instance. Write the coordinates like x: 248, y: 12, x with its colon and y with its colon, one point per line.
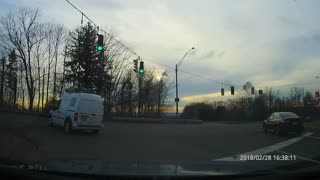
x: 177, y: 67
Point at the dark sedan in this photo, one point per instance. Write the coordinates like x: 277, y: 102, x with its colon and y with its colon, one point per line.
x: 283, y: 122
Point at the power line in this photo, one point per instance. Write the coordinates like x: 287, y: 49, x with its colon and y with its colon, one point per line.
x: 133, y: 52
x: 165, y: 66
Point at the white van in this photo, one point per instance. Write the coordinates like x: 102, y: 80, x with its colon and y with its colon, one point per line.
x: 78, y: 111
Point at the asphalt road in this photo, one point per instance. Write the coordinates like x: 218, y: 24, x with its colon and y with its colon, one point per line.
x: 146, y: 141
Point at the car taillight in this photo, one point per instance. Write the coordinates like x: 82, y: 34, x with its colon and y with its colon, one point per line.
x: 284, y: 121
x: 75, y: 118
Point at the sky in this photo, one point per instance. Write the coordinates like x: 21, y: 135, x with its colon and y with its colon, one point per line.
x: 270, y: 43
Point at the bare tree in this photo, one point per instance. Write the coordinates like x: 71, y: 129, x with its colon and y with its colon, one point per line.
x: 59, y: 37
x: 21, y: 69
x: 247, y: 88
x: 308, y: 97
x: 164, y: 87
x: 62, y: 81
x: 3, y: 63
x: 271, y: 95
x: 296, y: 95
x: 43, y: 87
x: 39, y: 55
x: 50, y: 44
x: 19, y: 31
x: 116, y: 57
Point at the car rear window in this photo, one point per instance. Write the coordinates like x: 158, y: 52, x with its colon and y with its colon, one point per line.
x: 288, y: 115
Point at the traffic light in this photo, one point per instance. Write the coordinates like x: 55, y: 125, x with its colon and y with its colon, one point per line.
x: 135, y: 65
x: 232, y: 90
x: 100, y: 42
x: 260, y: 92
x: 222, y: 92
x: 91, y: 43
x: 252, y: 90
x: 141, y: 69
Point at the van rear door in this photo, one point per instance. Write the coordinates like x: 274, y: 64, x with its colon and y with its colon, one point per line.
x: 90, y: 112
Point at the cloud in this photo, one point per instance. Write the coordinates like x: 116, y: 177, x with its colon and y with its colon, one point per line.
x: 221, y: 54
x: 289, y: 21
x: 270, y: 43
x: 205, y: 97
x: 206, y: 55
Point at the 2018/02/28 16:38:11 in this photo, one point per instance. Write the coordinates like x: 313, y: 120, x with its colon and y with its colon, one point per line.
x: 267, y: 157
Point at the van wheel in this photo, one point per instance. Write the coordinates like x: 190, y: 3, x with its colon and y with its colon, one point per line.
x: 265, y: 129
x: 50, y: 123
x: 67, y: 127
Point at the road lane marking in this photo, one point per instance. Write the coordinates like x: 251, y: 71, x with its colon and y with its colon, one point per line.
x: 300, y: 157
x: 265, y: 150
x: 314, y: 137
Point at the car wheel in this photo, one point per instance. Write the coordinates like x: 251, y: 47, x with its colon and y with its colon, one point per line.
x: 299, y: 132
x: 277, y: 131
x: 67, y: 127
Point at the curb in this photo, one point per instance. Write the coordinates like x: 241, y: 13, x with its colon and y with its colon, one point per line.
x: 232, y: 122
x: 314, y: 130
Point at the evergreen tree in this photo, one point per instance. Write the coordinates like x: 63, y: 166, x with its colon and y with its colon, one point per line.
x: 11, y: 76
x: 86, y: 67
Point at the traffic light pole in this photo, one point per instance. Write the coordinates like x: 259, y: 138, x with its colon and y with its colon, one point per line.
x: 139, y: 95
x: 177, y: 112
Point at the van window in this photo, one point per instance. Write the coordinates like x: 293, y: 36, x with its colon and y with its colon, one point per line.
x: 63, y: 104
x: 91, y: 106
x: 73, y: 102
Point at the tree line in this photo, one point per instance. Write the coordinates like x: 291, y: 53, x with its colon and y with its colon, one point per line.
x: 247, y: 106
x: 41, y: 60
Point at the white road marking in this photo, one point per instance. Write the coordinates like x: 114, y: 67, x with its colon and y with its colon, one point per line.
x: 314, y: 137
x: 265, y: 150
x: 300, y: 157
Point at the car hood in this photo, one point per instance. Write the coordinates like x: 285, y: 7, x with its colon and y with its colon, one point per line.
x: 156, y: 168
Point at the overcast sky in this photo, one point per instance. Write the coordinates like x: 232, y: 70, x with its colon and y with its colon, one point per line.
x: 268, y: 42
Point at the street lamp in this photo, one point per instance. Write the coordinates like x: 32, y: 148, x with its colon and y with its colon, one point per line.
x: 177, y: 66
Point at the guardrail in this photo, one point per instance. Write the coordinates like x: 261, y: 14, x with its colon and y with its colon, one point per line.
x: 25, y: 112
x: 157, y: 120
x: 116, y: 119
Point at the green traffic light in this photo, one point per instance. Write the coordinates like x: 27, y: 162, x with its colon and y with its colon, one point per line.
x: 141, y: 71
x: 100, y: 48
